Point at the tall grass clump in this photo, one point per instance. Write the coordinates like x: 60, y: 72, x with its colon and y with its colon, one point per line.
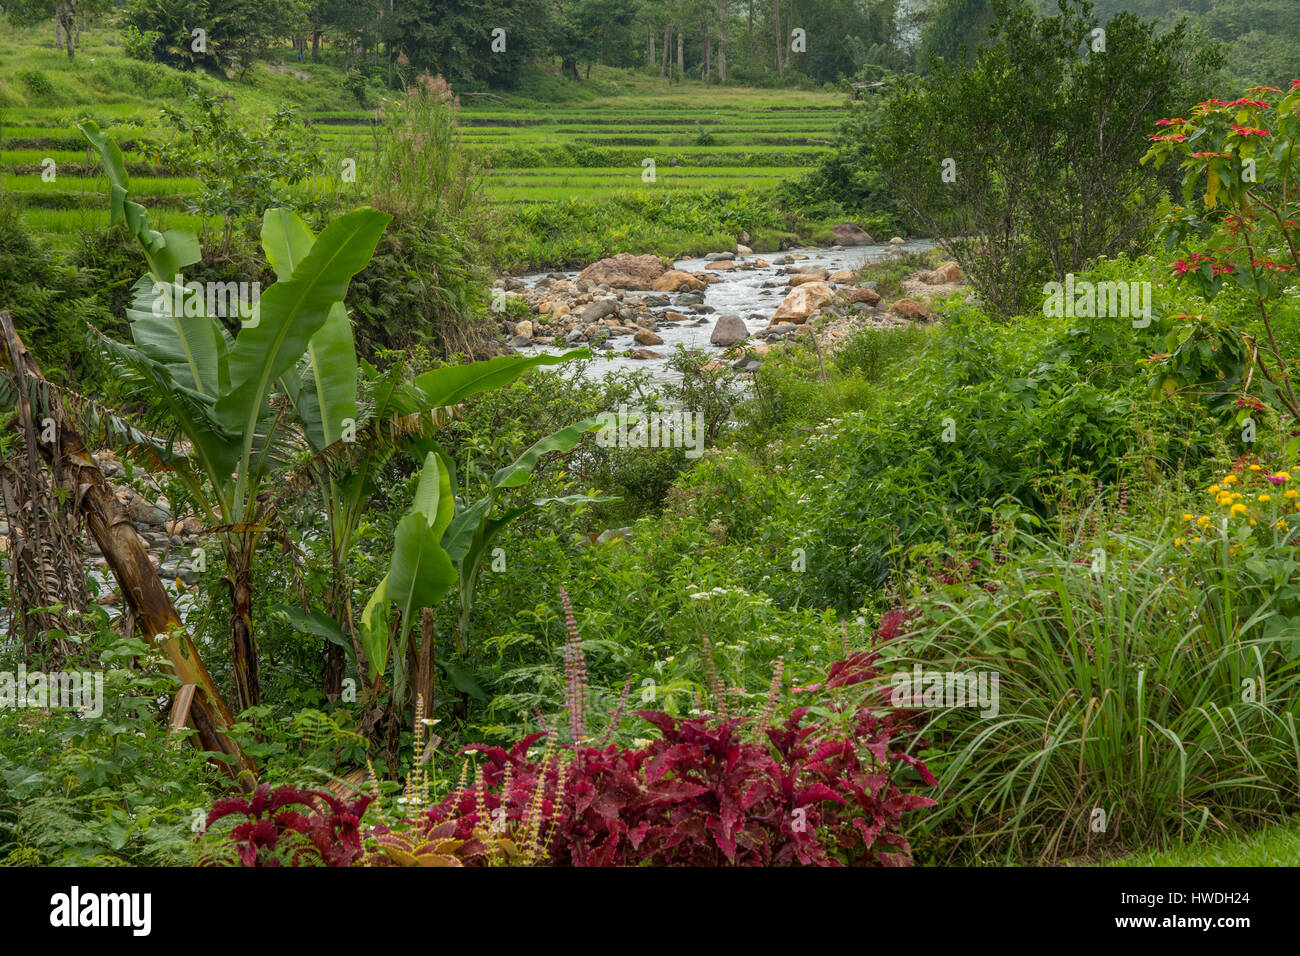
x: 1143, y: 697
x: 429, y: 279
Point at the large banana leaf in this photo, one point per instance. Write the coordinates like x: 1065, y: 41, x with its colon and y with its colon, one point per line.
x: 292, y: 311
x: 521, y: 469
x: 455, y: 383
x: 325, y: 393
x: 193, y: 348
x: 167, y: 252
x: 420, y: 572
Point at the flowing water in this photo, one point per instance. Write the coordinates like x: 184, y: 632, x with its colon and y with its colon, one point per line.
x: 741, y: 292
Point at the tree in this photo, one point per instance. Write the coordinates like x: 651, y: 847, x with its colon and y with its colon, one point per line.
x: 214, y: 390
x: 1030, y: 158
x: 68, y: 16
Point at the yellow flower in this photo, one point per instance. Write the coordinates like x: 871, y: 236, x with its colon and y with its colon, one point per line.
x: 1196, y: 540
x: 1254, y: 468
x: 1239, y: 509
x: 1203, y: 521
x: 1224, y: 500
x: 1178, y: 542
x: 1283, y: 475
x: 1263, y: 498
x: 1252, y: 522
x: 1281, y: 524
x: 1230, y: 480
x: 1215, y: 489
x: 1291, y: 493
x: 1187, y: 517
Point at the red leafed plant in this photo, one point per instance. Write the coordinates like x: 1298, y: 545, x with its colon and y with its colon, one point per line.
x: 288, y: 824
x: 704, y: 795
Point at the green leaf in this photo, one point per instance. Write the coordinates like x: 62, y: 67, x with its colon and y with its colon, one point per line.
x: 463, y: 680
x: 314, y: 621
x: 454, y: 383
x: 374, y: 628
x: 421, y: 573
x: 293, y: 311
x: 563, y: 440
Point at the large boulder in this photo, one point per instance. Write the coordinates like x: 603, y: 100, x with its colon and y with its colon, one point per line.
x: 802, y: 302
x: 728, y: 330
x: 624, y: 271
x: 948, y: 272
x: 674, y: 280
x: 869, y: 296
x: 851, y: 234
x: 910, y: 309
x: 646, y: 337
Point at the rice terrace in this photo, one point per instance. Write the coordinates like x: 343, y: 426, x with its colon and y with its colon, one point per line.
x: 651, y: 433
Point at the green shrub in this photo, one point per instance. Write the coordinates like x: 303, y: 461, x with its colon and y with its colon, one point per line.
x: 36, y: 82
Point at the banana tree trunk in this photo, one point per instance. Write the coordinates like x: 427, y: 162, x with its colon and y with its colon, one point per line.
x: 112, y: 530
x: 244, y: 668
x: 335, y: 663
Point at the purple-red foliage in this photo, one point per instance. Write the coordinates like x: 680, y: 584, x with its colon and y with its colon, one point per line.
x: 327, y: 828
x: 702, y: 795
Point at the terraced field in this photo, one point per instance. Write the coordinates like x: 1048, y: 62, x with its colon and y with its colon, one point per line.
x: 749, y: 139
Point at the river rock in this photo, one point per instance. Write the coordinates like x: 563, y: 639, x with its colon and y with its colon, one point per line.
x: 674, y: 280
x: 851, y: 234
x: 869, y: 296
x: 689, y: 298
x: 896, y: 241
x: 524, y: 328
x: 643, y: 354
x: 910, y: 309
x: 142, y: 512
x: 801, y: 278
x: 646, y: 337
x: 598, y: 310
x: 519, y: 342
x: 718, y: 256
x: 721, y: 265
x: 802, y: 302
x: 742, y: 250
x: 843, y: 277
x: 624, y: 271
x: 948, y: 272
x: 728, y: 330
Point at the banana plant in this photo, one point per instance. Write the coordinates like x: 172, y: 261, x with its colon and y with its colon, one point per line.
x: 419, y: 575
x: 397, y: 414
x: 474, y: 528
x: 440, y: 543
x: 214, y: 389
